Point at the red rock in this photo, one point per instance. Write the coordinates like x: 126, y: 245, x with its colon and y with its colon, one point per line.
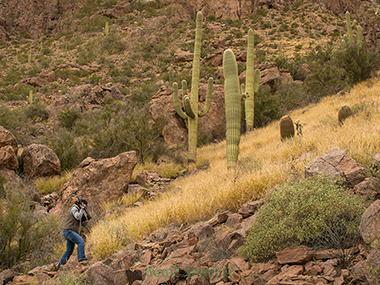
x: 295, y: 255
x: 312, y: 268
x: 249, y: 208
x: 146, y: 257
x: 234, y: 221
x: 8, y: 158
x: 7, y: 138
x: 286, y: 274
x: 219, y: 218
x: 370, y: 223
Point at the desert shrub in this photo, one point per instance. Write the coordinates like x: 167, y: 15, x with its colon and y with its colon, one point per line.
x: 267, y: 106
x: 112, y: 43
x: 70, y: 151
x: 67, y: 118
x: 37, y: 112
x: 68, y: 278
x: 22, y: 232
x: 313, y: 212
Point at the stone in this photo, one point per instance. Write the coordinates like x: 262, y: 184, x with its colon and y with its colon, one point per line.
x: 234, y: 221
x: 294, y: 255
x: 7, y: 138
x: 337, y: 165
x: 8, y: 158
x: 100, y: 274
x: 369, y: 188
x: 286, y: 274
x: 100, y: 181
x: 370, y: 223
x: 376, y: 161
x: 6, y: 276
x: 249, y: 208
x: 39, y: 161
x: 219, y: 218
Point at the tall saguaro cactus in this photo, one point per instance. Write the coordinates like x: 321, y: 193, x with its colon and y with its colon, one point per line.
x: 252, y: 82
x: 232, y: 95
x: 190, y: 110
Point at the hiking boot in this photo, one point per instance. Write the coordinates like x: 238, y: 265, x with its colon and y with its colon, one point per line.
x: 56, y: 266
x: 83, y: 261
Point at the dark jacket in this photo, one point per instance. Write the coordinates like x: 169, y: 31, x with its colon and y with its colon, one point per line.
x: 75, y: 219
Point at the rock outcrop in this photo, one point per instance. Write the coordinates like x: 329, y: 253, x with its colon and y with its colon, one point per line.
x: 211, y: 126
x: 8, y: 158
x: 7, y: 138
x: 99, y: 180
x: 338, y: 165
x: 39, y: 161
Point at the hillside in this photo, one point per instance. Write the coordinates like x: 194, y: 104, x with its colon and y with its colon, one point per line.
x: 91, y: 121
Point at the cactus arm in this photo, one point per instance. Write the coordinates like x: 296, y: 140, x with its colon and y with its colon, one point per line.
x: 184, y: 87
x: 256, y: 84
x: 242, y: 91
x: 249, y: 83
x: 233, y: 107
x: 177, y: 103
x: 210, y: 90
x: 187, y: 107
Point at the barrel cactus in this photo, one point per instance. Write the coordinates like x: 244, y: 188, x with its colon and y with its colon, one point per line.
x: 286, y: 127
x: 344, y: 113
x: 190, y: 110
x: 252, y: 83
x: 232, y: 95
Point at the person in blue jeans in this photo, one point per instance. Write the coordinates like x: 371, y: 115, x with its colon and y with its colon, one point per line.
x: 76, y: 218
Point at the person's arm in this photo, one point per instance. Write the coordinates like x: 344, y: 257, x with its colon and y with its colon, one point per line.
x: 77, y: 213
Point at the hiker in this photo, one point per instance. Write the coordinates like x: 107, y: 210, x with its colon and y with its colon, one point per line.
x: 76, y: 218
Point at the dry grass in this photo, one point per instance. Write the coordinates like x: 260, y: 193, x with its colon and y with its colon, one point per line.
x: 47, y: 185
x: 274, y: 162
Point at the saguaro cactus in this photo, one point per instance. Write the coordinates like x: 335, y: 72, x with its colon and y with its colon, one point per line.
x: 252, y: 82
x: 106, y: 28
x: 190, y: 110
x: 232, y: 95
x: 30, y: 97
x: 286, y: 127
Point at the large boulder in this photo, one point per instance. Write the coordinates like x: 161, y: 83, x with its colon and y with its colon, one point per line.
x: 8, y: 158
x: 100, y: 180
x: 100, y: 274
x: 337, y: 165
x: 7, y: 138
x: 370, y: 223
x: 39, y: 160
x: 211, y: 126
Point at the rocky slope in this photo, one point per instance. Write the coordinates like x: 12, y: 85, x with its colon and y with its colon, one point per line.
x: 206, y: 252
x: 70, y: 64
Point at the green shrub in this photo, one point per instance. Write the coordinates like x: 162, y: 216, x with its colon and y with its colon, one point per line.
x: 68, y: 118
x: 37, y: 112
x: 22, y: 232
x: 313, y: 212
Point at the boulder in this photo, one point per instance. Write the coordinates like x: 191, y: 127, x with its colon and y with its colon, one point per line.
x: 7, y: 138
x: 337, y: 165
x: 39, y: 161
x: 370, y: 223
x: 295, y: 255
x: 100, y: 180
x: 369, y: 188
x: 8, y: 158
x: 6, y: 276
x: 211, y: 126
x: 100, y: 274
x: 249, y: 208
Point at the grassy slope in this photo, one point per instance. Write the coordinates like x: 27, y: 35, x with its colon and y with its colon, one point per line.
x: 265, y: 162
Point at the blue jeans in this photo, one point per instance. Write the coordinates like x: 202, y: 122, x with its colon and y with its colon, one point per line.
x: 73, y: 238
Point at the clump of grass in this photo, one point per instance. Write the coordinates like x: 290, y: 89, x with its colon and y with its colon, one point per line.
x: 205, y: 192
x: 47, y: 185
x: 166, y: 170
x: 313, y: 212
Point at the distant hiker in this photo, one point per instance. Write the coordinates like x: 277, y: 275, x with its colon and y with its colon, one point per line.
x: 76, y: 218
